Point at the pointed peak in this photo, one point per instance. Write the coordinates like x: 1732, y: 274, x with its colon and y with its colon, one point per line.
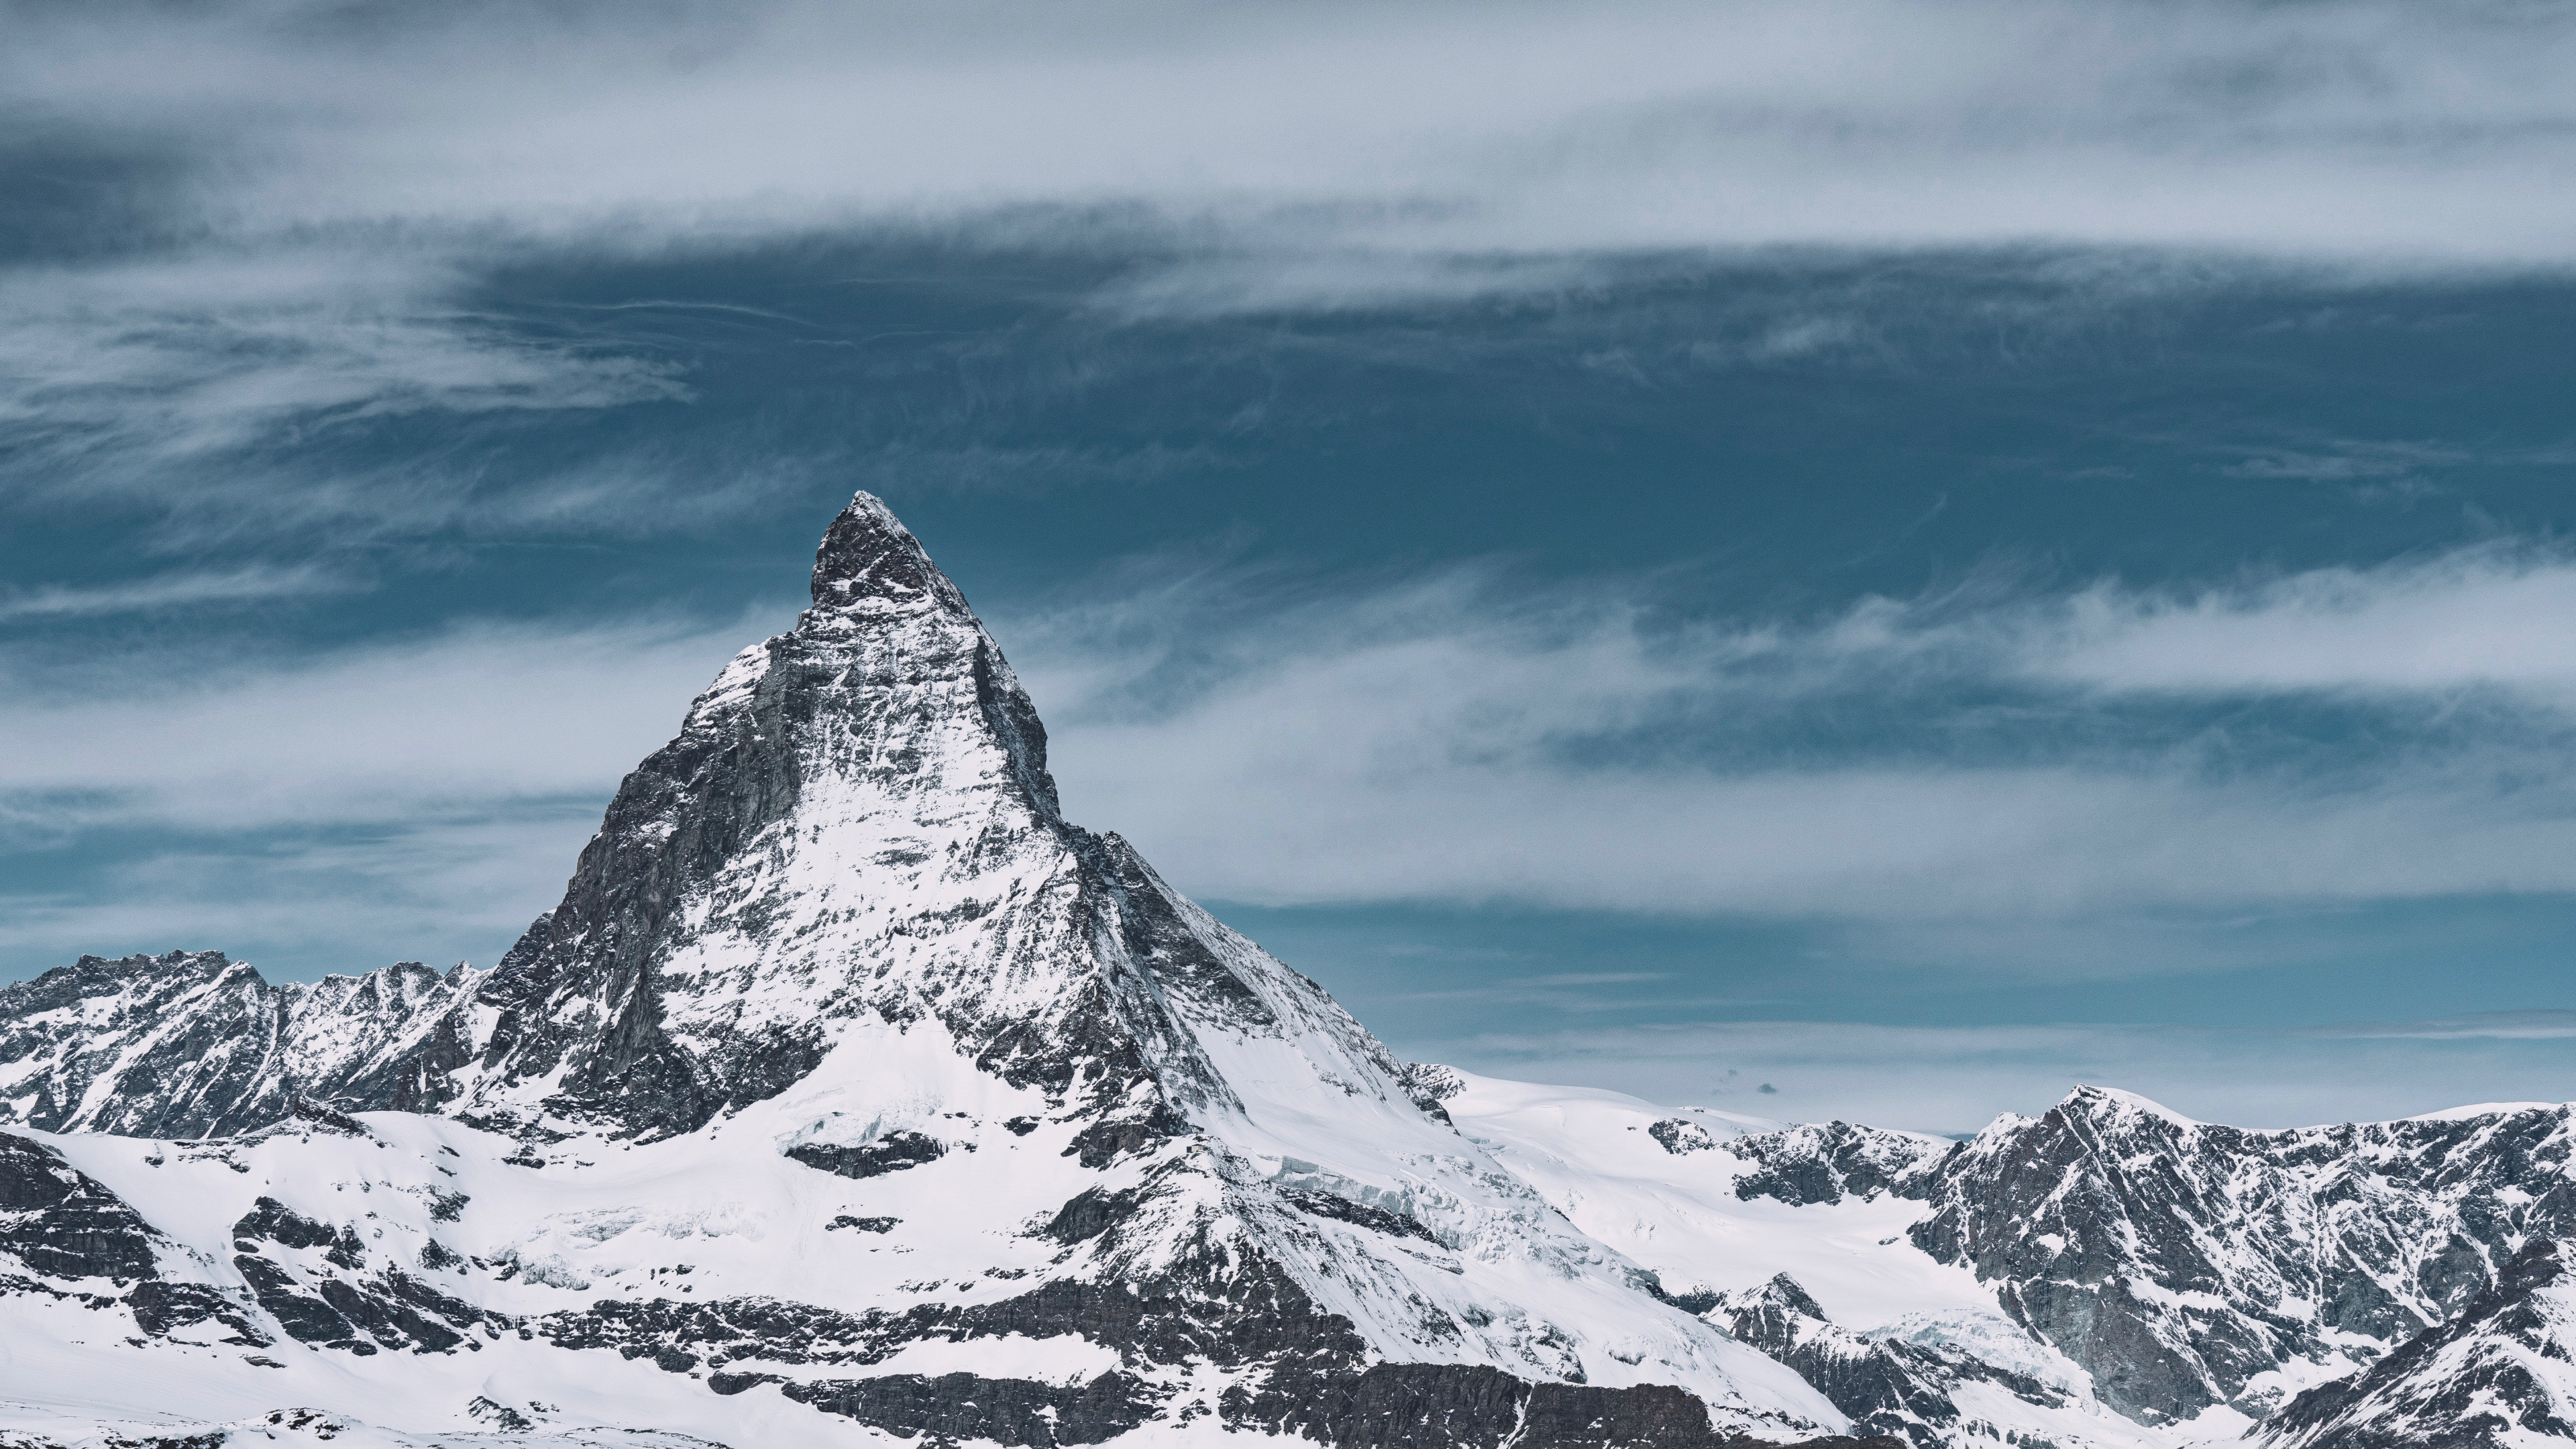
x: 868, y: 554
x: 1787, y: 1293
x: 2111, y: 1101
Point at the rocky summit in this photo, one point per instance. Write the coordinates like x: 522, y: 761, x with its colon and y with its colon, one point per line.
x: 853, y: 1095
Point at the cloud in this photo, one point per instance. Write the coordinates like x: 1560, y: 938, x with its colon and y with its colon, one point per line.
x: 1467, y: 739
x: 2341, y: 129
x: 288, y: 210
x: 419, y: 798
x: 302, y: 903
x: 2497, y: 617
x: 2010, y: 762
x: 442, y: 728
x: 168, y: 591
x: 1951, y: 1079
x: 116, y: 373
x: 2484, y: 1025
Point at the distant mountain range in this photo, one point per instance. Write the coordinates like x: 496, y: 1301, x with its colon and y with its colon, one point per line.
x: 852, y: 1095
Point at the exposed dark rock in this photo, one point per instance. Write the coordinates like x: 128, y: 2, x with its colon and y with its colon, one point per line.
x: 2494, y: 1376
x: 1457, y: 1406
x: 893, y: 1152
x: 1898, y: 1389
x: 62, y: 1223
x: 273, y: 1221
x: 1089, y: 1213
x: 1823, y: 1163
x: 960, y: 1406
x: 162, y: 1308
x: 2388, y: 1228
x: 1342, y: 1209
x: 1679, y: 1135
x: 193, y: 1045
x: 344, y: 1309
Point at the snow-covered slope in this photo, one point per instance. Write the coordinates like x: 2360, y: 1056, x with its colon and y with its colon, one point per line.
x: 2108, y: 1273
x: 849, y: 1086
x: 1797, y: 1240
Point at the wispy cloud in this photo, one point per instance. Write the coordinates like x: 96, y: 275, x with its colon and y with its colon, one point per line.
x: 192, y: 589
x: 1956, y: 1079
x: 299, y: 201
x: 420, y: 798
x: 1457, y: 741
x: 455, y: 727
x: 114, y: 370
x: 2498, y: 617
x: 1454, y: 743
x: 2481, y: 1026
x: 2344, y: 129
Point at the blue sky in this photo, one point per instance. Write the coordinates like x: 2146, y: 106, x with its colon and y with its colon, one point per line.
x: 1908, y: 555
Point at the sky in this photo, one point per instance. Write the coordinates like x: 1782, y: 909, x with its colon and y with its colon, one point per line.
x: 1866, y: 560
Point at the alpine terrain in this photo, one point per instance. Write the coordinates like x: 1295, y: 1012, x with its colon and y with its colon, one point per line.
x: 852, y: 1095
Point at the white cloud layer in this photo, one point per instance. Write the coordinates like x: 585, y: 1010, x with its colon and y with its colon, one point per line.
x: 1444, y: 743
x: 421, y: 799
x: 302, y: 195
x: 209, y: 588
x: 2491, y: 618
x: 2360, y: 128
x: 1956, y: 1079
x: 451, y: 727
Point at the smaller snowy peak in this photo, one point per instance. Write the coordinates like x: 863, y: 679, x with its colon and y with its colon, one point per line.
x: 1825, y: 1162
x: 2188, y: 1265
x: 192, y: 1044
x: 2499, y: 1376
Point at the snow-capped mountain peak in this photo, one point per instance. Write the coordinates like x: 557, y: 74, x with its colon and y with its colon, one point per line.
x: 847, y: 1066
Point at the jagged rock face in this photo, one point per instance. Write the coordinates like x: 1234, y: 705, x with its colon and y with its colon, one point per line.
x: 715, y: 931
x: 2038, y: 1278
x: 68, y: 1236
x: 1823, y: 1163
x: 2502, y: 1372
x: 193, y: 1045
x: 2180, y: 1262
x: 1888, y: 1386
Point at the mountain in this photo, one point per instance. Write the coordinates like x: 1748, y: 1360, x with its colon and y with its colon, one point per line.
x: 852, y: 1095
x: 848, y: 1087
x: 193, y: 1045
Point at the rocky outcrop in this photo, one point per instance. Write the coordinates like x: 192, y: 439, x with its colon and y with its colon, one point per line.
x: 194, y: 1045
x: 2502, y: 1372
x: 1890, y: 1387
x: 2180, y: 1262
x: 1824, y: 1163
x: 72, y: 1239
